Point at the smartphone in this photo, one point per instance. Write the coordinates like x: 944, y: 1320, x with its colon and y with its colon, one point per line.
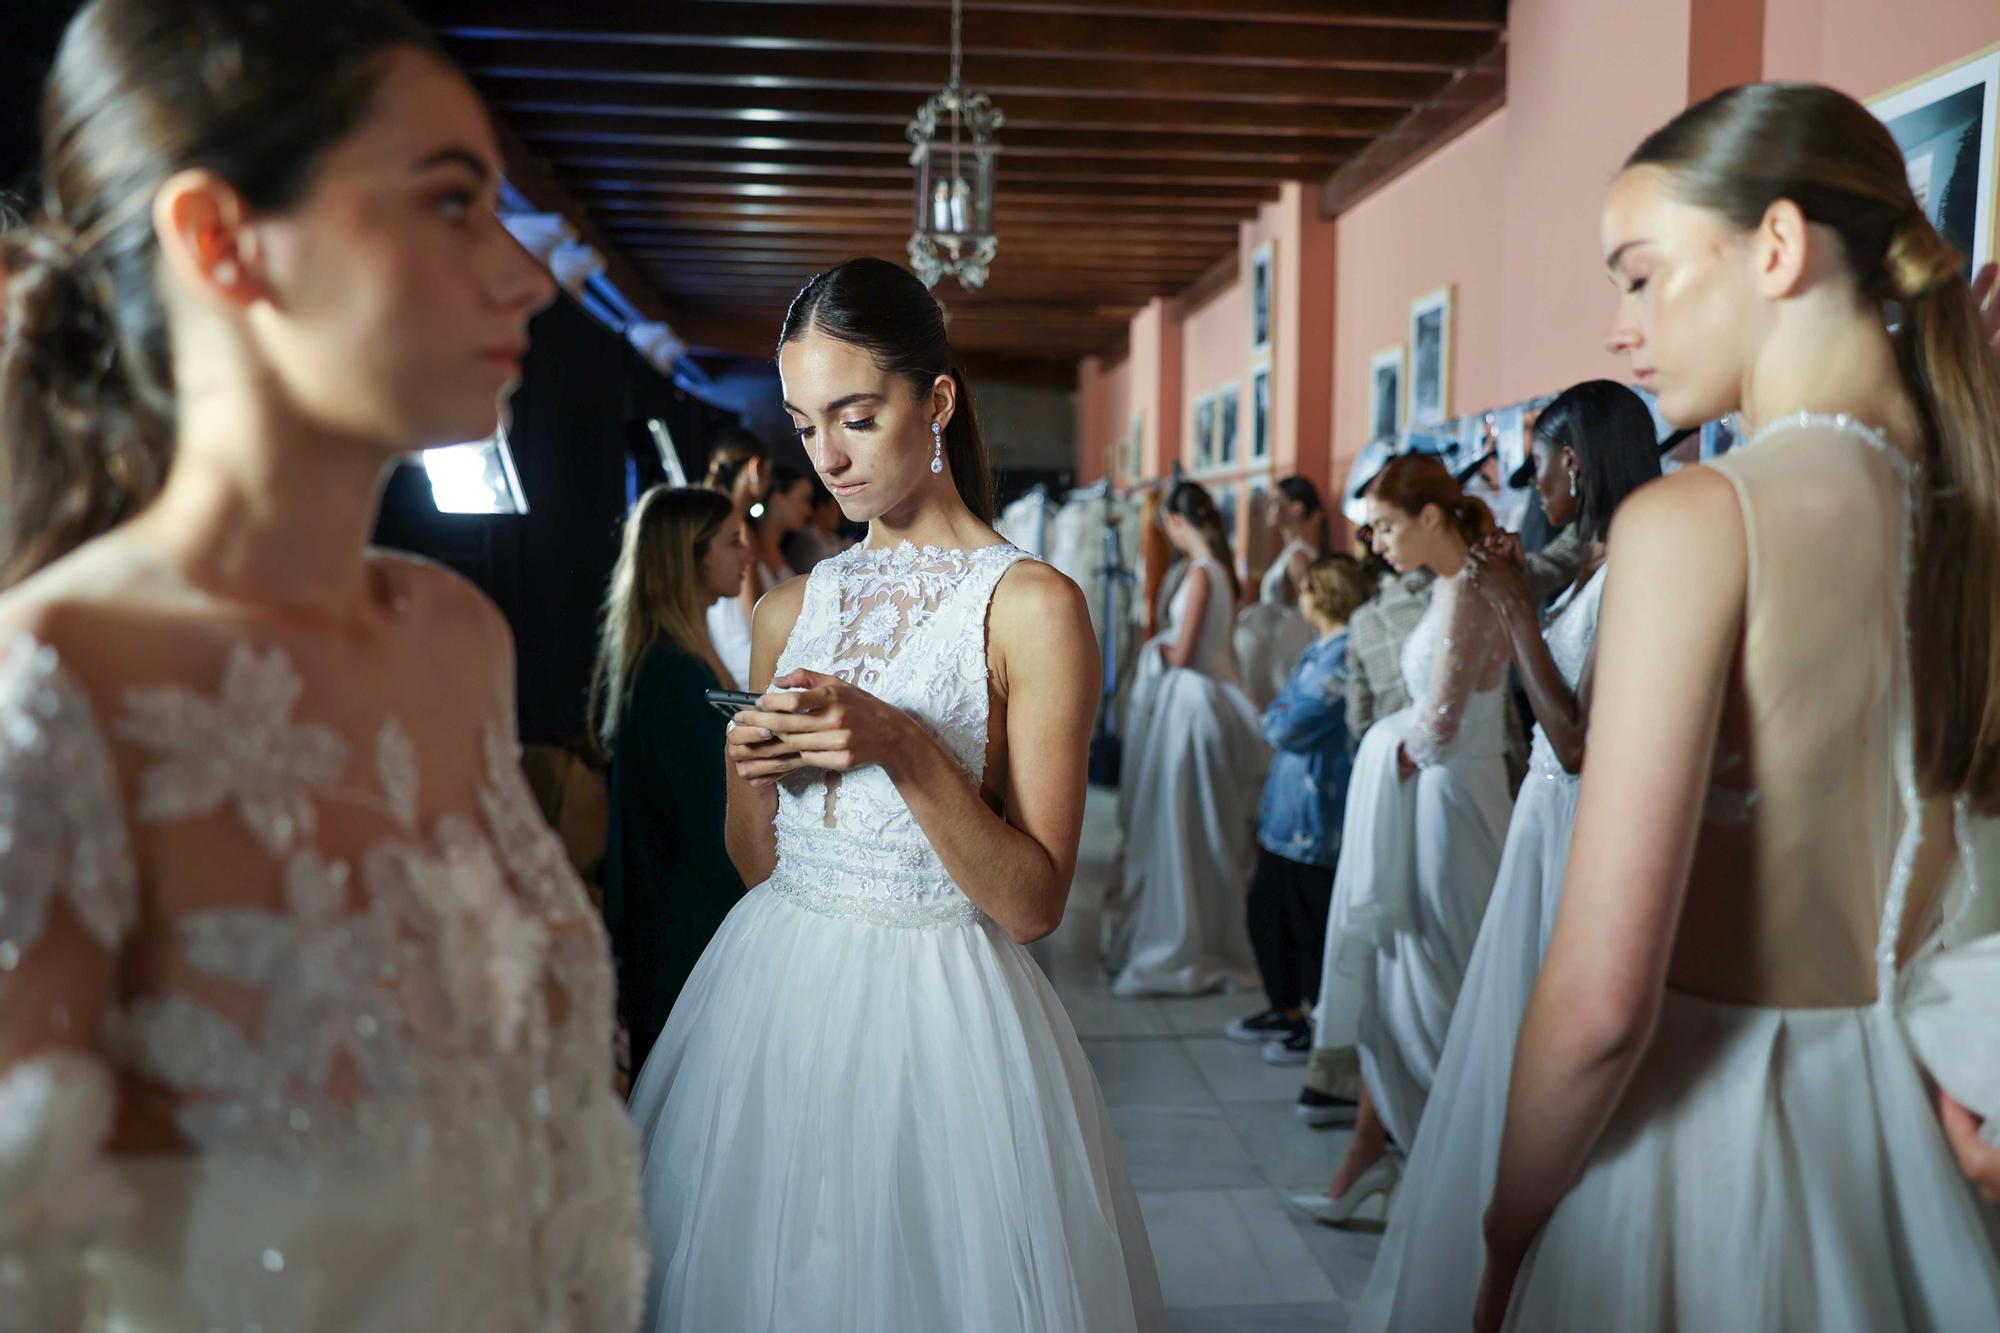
x: 731, y: 702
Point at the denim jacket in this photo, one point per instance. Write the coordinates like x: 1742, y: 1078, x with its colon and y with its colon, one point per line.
x: 1305, y: 793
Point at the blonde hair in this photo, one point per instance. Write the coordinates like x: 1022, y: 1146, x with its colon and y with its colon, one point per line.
x: 656, y: 593
x: 1336, y: 586
x: 1738, y: 153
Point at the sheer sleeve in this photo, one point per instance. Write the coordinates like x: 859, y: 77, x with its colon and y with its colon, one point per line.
x: 70, y: 898
x: 1473, y: 641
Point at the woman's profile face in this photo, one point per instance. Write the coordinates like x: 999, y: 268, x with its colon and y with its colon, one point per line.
x: 397, y: 305
x: 1399, y: 537
x: 1689, y: 314
x: 723, y: 562
x: 794, y: 506
x: 1554, y: 466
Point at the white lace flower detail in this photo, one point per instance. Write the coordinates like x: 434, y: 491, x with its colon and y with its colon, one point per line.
x: 239, y: 748
x: 489, y: 952
x: 396, y: 771
x: 328, y: 974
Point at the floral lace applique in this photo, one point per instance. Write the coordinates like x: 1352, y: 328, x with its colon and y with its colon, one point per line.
x: 240, y: 748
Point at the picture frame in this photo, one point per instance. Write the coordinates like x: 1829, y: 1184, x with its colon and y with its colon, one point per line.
x: 1263, y: 276
x: 1204, y: 433
x: 1948, y: 125
x: 1260, y: 415
x: 1430, y: 358
x: 1385, y: 392
x: 1225, y: 425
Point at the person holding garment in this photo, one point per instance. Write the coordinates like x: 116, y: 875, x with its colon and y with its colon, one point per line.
x: 868, y: 1109
x: 1719, y: 1114
x: 668, y: 879
x: 1592, y: 448
x: 305, y: 1021
x: 1427, y: 811
x: 1271, y: 633
x: 1187, y: 802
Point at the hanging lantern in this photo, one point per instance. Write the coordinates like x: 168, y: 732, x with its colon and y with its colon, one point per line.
x: 953, y: 151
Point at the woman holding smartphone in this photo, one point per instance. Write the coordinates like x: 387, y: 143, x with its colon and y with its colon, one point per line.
x: 668, y: 880
x: 869, y: 1110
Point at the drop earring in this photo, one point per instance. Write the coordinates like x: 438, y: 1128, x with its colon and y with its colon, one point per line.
x: 1572, y: 484
x: 937, y: 454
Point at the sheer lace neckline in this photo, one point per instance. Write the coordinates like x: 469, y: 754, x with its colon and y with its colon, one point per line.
x: 908, y: 555
x: 1835, y: 421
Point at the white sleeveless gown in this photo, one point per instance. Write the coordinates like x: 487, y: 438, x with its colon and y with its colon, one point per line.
x: 868, y: 1109
x: 1426, y: 1275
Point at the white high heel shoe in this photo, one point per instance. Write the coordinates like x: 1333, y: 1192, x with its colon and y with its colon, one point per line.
x: 1380, y: 1179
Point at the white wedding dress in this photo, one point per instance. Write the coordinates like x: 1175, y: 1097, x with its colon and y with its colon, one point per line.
x: 1271, y: 637
x: 1193, y: 772
x: 869, y: 1110
x: 1776, y: 1162
x: 393, y: 1083
x: 1426, y: 1275
x: 1418, y: 856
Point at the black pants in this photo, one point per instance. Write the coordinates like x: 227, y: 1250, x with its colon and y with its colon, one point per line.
x: 1288, y: 906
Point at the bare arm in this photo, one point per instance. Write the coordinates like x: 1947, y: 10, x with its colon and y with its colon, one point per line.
x: 1187, y: 634
x: 1015, y: 867
x: 1671, y: 621
x: 750, y: 834
x: 1559, y: 711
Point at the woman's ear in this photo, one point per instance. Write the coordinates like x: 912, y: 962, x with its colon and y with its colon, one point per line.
x: 943, y: 400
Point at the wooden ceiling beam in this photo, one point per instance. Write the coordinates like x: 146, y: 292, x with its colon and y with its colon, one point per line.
x: 794, y: 106
x: 840, y: 185
x: 1482, y: 15
x: 1092, y: 36
x: 1465, y: 101
x: 752, y: 140
x: 559, y: 57
x: 819, y: 162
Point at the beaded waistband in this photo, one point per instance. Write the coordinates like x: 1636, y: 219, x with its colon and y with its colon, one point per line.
x: 874, y: 909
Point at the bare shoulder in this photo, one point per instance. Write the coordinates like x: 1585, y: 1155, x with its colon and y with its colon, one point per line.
x: 1035, y: 600
x: 443, y: 599
x: 1690, y: 523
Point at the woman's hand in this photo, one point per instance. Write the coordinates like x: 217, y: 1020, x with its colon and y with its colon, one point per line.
x: 808, y: 720
x: 1499, y: 579
x: 1979, y: 1159
x: 1406, y: 767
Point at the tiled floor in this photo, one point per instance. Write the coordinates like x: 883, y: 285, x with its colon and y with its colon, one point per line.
x: 1210, y: 1137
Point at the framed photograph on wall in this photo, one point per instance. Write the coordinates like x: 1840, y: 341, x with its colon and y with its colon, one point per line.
x: 1948, y: 126
x: 1430, y: 358
x: 1262, y: 295
x: 1385, y: 393
x: 1225, y: 425
x: 1204, y: 432
x: 1260, y: 415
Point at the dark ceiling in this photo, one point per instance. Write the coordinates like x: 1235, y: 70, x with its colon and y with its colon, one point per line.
x: 727, y: 149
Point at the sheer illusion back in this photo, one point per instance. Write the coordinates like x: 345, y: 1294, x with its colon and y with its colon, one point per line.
x: 1810, y: 855
x: 1454, y: 666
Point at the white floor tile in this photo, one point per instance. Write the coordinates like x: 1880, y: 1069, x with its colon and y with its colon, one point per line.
x: 1148, y: 1073
x: 1237, y: 1073
x: 1292, y: 1157
x: 1230, y: 1247
x: 1168, y: 1148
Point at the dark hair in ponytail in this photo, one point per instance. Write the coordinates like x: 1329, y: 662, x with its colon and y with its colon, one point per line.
x: 1191, y: 501
x: 1300, y: 490
x: 1743, y: 150
x: 1611, y: 432
x: 881, y: 308
x: 142, y: 89
x: 1412, y: 481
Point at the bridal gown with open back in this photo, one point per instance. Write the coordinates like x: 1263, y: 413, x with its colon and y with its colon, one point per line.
x: 1187, y: 804
x: 1426, y: 1275
x: 869, y: 1110
x: 372, y: 1003
x: 1418, y: 856
x: 1776, y: 1162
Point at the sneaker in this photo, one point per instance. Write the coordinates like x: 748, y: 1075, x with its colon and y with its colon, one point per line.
x: 1294, y: 1049
x: 1260, y: 1028
x: 1319, y: 1110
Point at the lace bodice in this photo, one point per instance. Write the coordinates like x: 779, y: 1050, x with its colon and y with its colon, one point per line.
x: 907, y: 624
x: 1215, y: 649
x: 1571, y: 628
x: 414, y: 1023
x: 1455, y: 668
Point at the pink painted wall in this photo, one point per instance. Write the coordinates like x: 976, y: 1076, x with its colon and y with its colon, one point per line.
x: 1866, y: 47
x: 1103, y: 407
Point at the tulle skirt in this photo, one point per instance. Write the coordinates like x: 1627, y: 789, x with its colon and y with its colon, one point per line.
x: 1418, y: 858
x: 883, y: 1127
x: 1769, y: 1169
x: 1188, y: 806
x: 1426, y: 1275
